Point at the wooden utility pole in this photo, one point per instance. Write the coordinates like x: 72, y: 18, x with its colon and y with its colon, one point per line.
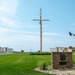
x: 40, y: 20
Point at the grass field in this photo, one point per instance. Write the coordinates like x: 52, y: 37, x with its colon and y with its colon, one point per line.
x: 22, y: 64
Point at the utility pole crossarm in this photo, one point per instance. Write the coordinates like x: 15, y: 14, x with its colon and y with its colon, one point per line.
x: 40, y: 20
x: 35, y: 20
x: 45, y: 20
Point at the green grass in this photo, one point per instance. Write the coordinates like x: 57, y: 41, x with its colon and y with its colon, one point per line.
x: 73, y: 58
x: 21, y: 64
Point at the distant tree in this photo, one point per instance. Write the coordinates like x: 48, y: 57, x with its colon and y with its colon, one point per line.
x: 70, y: 47
x: 38, y: 50
x: 22, y: 51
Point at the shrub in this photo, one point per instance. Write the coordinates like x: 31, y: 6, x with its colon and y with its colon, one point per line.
x: 22, y: 51
x: 42, y: 65
x: 70, y: 47
x: 38, y: 53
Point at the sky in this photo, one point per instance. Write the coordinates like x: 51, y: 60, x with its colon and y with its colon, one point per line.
x: 18, y: 31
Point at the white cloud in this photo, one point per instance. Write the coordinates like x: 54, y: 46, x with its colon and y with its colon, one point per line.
x: 53, y: 34
x: 6, y: 30
x: 8, y: 6
x: 7, y: 22
x: 8, y: 18
x: 8, y: 10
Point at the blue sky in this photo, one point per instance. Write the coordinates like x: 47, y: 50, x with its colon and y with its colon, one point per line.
x: 17, y: 30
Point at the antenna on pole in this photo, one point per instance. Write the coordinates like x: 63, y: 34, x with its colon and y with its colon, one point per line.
x: 40, y: 21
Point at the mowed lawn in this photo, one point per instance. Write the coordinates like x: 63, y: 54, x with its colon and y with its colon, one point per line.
x: 21, y: 64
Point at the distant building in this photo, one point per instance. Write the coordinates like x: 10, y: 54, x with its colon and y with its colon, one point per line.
x: 73, y: 49
x: 62, y: 49
x: 6, y: 50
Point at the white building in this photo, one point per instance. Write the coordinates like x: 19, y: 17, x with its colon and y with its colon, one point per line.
x: 6, y: 50
x: 60, y: 49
